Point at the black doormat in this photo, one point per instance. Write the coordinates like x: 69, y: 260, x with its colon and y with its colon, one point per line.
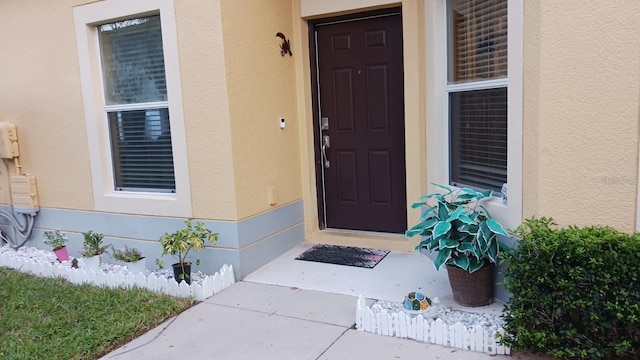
x: 344, y: 255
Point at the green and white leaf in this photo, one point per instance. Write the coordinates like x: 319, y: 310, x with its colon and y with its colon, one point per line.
x: 443, y: 211
x: 422, y: 200
x: 466, y: 247
x: 475, y: 264
x: 448, y: 243
x: 470, y: 229
x: 482, y: 240
x: 492, y: 252
x: 461, y: 261
x: 477, y: 251
x: 428, y: 213
x: 427, y: 244
x: 486, y: 211
x: 421, y: 227
x: 479, y: 238
x: 431, y: 244
x: 496, y: 228
x: 465, y: 197
x: 459, y: 211
x: 441, y: 229
x: 443, y: 256
x: 466, y: 219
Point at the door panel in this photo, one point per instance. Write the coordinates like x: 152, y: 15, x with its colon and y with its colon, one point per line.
x: 360, y: 91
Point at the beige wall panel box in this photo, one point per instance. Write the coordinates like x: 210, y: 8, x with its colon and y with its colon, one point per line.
x: 24, y: 195
x: 273, y: 195
x: 8, y: 141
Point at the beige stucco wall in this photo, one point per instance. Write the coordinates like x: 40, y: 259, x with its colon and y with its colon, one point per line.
x: 581, y: 93
x: 40, y: 93
x: 314, y: 8
x: 235, y: 87
x: 415, y: 102
x: 580, y: 116
x: 206, y: 109
x: 261, y: 89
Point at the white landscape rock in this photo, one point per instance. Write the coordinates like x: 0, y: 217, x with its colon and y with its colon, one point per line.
x: 448, y: 316
x: 437, y: 325
x: 45, y: 264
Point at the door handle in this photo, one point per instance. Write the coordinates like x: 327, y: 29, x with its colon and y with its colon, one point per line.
x: 326, y: 143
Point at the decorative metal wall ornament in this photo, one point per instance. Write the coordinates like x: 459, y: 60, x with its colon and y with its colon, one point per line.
x: 285, y: 47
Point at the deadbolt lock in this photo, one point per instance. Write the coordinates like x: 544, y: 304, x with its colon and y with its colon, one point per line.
x: 324, y: 123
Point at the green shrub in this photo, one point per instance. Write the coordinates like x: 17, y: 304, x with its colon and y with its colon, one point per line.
x: 575, y: 292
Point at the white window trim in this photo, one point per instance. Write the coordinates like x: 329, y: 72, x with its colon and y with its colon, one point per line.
x: 86, y: 18
x: 509, y: 215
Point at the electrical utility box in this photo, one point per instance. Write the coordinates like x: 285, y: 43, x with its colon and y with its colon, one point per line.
x: 24, y: 194
x: 8, y: 141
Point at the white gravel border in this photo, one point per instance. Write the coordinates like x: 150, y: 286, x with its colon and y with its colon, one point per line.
x: 45, y: 264
x: 436, y: 325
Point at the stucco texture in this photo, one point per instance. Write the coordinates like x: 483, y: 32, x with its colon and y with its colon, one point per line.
x: 261, y: 89
x: 206, y: 109
x: 235, y: 86
x: 314, y: 8
x: 580, y: 130
x: 40, y: 94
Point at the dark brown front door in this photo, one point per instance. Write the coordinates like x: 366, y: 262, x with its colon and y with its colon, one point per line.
x: 360, y: 122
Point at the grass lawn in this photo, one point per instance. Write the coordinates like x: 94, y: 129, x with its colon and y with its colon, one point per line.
x: 53, y: 319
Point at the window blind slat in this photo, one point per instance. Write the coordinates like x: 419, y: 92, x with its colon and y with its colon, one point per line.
x: 478, y: 40
x: 141, y: 143
x: 478, y: 138
x: 133, y: 61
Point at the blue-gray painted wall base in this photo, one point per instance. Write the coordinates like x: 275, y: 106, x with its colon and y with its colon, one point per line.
x: 127, y: 226
x: 260, y: 253
x: 500, y: 291
x: 257, y: 227
x: 246, y: 244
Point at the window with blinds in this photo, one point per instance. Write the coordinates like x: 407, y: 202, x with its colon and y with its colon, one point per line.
x: 479, y: 138
x: 477, y: 93
x: 136, y: 104
x: 478, y: 44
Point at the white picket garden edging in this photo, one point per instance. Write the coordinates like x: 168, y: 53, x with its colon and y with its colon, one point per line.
x: 403, y: 325
x: 211, y: 285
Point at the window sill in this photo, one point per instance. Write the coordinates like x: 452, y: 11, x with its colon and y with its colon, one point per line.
x: 144, y: 204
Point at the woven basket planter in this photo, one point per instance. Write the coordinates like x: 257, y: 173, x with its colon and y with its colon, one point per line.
x: 471, y: 289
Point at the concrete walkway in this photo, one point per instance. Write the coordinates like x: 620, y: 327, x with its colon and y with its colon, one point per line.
x: 258, y: 321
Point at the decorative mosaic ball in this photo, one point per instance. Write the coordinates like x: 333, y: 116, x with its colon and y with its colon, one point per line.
x: 416, y: 301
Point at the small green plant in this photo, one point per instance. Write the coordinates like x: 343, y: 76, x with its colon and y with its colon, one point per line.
x: 575, y: 292
x: 92, y: 244
x: 459, y: 228
x: 192, y: 237
x: 127, y: 254
x: 56, y: 239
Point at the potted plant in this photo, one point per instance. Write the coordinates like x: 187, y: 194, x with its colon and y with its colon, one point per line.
x: 57, y: 240
x: 131, y: 258
x: 464, y: 234
x: 92, y: 249
x: 178, y: 244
